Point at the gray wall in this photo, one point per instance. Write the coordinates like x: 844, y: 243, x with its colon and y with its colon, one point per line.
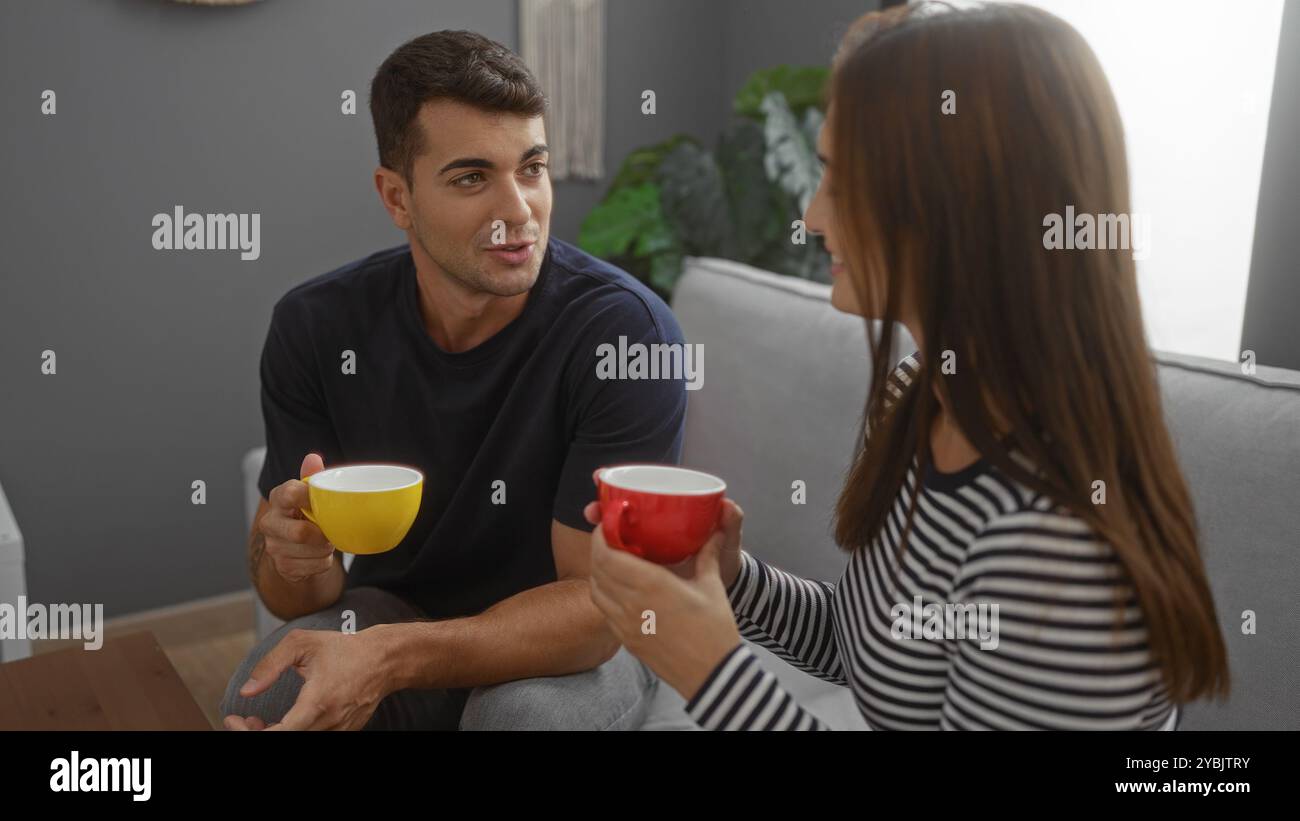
x: 234, y: 110
x: 754, y: 36
x: 1273, y: 295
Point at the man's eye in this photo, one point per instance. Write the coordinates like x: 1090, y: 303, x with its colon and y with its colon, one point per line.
x: 468, y: 180
x: 537, y: 168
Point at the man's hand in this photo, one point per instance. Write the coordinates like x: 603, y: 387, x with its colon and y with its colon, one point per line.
x: 297, y: 548
x: 344, y: 679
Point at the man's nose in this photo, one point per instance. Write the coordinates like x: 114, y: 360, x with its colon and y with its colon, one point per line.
x: 513, y: 207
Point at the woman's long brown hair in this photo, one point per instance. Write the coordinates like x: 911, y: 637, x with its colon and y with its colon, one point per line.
x: 945, y: 213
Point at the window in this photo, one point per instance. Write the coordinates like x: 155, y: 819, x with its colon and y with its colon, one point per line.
x: 1193, y: 81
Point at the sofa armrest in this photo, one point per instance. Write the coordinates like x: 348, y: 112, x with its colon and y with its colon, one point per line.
x: 13, y: 576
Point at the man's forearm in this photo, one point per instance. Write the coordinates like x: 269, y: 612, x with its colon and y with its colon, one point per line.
x: 288, y: 600
x: 550, y: 630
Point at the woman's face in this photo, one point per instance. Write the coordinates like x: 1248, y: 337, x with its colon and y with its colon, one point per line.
x: 819, y: 218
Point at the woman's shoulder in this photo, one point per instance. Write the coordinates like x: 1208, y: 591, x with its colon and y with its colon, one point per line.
x: 1053, y: 543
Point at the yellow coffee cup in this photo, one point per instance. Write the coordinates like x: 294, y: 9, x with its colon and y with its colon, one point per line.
x: 364, y: 508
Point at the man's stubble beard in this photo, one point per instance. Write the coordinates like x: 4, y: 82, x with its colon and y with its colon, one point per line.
x: 470, y: 274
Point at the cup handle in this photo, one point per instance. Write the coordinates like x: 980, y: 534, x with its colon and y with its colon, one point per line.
x: 612, y: 521
x: 304, y: 510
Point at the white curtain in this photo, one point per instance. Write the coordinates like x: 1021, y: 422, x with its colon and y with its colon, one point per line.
x: 563, y: 42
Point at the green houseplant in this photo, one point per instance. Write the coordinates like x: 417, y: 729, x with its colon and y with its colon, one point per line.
x: 738, y: 201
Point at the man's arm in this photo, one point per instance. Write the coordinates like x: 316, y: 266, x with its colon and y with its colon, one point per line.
x: 285, y: 599
x: 550, y: 630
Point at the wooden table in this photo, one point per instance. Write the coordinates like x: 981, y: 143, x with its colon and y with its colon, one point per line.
x: 127, y: 684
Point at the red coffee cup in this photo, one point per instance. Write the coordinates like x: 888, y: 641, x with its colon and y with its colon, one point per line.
x: 662, y: 513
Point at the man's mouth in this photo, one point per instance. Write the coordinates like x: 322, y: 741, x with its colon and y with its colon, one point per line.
x: 512, y: 253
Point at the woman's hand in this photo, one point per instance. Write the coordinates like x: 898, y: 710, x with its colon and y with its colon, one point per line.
x: 733, y: 519
x: 677, y: 620
x: 729, y: 550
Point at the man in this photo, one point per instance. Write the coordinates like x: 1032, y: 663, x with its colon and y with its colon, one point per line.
x: 469, y: 353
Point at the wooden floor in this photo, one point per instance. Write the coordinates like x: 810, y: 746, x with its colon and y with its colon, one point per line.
x: 205, y: 641
x: 207, y: 665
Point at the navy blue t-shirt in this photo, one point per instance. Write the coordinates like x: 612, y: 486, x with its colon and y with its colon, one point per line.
x: 526, y: 407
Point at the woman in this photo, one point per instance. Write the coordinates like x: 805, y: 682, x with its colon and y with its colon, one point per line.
x: 1049, y: 494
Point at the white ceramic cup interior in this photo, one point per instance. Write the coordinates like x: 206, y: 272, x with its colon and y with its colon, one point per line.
x: 665, y: 479
x: 365, y: 478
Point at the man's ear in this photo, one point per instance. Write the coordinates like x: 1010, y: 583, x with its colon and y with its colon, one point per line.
x: 394, y: 196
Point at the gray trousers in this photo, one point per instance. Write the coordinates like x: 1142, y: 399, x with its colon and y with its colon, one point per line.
x: 614, y: 696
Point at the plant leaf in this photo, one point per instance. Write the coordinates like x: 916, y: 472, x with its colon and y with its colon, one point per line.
x: 642, y: 165
x: 665, y: 270
x: 695, y: 203
x: 757, y: 205
x: 812, y: 125
x: 801, y: 86
x: 627, y: 214
x: 791, y: 161
x: 655, y: 238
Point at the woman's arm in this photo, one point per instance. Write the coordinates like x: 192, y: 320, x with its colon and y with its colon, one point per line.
x: 740, y: 695
x: 788, y: 615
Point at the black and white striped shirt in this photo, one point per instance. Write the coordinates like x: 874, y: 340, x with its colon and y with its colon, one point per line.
x: 978, y: 538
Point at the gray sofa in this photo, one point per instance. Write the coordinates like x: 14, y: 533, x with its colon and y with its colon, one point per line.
x: 784, y: 384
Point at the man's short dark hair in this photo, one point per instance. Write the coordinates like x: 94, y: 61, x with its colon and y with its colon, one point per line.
x: 453, y: 65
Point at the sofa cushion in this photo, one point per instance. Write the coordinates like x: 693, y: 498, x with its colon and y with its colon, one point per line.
x: 1238, y: 441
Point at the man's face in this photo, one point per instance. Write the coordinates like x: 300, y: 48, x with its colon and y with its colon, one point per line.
x: 480, y: 204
